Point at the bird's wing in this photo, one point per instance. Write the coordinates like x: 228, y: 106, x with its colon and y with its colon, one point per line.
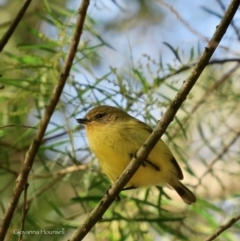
x: 172, y: 158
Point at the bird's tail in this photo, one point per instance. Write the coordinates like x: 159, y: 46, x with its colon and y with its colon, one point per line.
x: 187, y: 196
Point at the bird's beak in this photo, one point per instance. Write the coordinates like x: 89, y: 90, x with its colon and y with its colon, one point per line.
x: 83, y: 121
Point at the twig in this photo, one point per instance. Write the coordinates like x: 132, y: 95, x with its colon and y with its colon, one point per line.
x: 62, y: 172
x: 209, y: 91
x: 186, y: 67
x: 223, y: 61
x: 222, y: 228
x: 148, y: 220
x: 7, y: 184
x: 236, y: 29
x: 24, y: 211
x: 44, y: 189
x: 57, y: 136
x: 209, y: 168
x: 9, y: 170
x: 180, y: 70
x: 14, y: 125
x: 202, y: 100
x: 32, y: 151
x: 30, y: 13
x: 12, y: 147
x: 205, y: 96
x: 183, y: 21
x: 218, y: 157
x: 14, y: 24
x: 57, y: 177
x: 168, y: 116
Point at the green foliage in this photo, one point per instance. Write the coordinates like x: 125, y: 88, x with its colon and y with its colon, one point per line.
x: 66, y: 182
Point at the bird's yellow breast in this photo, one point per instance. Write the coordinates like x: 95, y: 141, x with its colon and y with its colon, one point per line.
x: 115, y: 145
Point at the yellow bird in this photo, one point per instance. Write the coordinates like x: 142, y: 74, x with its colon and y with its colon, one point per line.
x: 115, y: 137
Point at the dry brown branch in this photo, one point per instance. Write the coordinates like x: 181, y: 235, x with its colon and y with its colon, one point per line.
x: 14, y: 24
x: 166, y: 119
x: 32, y: 151
x: 24, y: 211
x: 61, y: 172
x: 183, y: 21
x: 189, y: 27
x: 222, y: 228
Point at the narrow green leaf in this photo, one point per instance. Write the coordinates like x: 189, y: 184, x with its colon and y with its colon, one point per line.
x: 175, y: 51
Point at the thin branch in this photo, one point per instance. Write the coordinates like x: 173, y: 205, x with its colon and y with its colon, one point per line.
x: 14, y: 24
x: 222, y: 228
x: 209, y: 169
x: 32, y: 151
x: 206, y: 95
x: 67, y: 170
x: 14, y: 125
x: 57, y: 177
x: 209, y: 91
x: 43, y: 189
x: 24, y: 211
x: 57, y: 136
x: 9, y: 170
x: 236, y: 29
x: 183, y: 21
x: 202, y: 100
x: 223, y: 61
x: 149, y: 220
x: 187, y: 67
x: 10, y: 146
x: 180, y: 70
x: 30, y: 13
x: 168, y: 116
x: 218, y: 157
x: 7, y: 184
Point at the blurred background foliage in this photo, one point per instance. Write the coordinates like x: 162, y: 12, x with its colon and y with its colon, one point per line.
x: 135, y: 56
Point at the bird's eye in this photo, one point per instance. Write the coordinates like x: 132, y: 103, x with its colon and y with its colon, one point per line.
x: 100, y: 116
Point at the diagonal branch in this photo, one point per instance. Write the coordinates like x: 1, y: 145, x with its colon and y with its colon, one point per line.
x: 14, y: 24
x: 168, y: 116
x: 24, y: 211
x: 236, y: 29
x: 218, y: 157
x: 32, y: 151
x: 182, y: 69
x: 206, y: 95
x: 222, y: 228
